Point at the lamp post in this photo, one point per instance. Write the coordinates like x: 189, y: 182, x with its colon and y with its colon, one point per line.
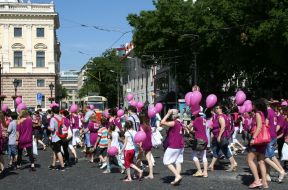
x: 194, y: 65
x: 51, y: 86
x: 15, y: 84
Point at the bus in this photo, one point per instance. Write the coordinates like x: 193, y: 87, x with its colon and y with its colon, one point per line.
x: 99, y: 102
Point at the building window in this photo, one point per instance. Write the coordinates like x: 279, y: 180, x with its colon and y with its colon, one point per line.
x: 40, y: 83
x: 40, y: 59
x: 40, y: 32
x: 17, y: 32
x: 17, y: 58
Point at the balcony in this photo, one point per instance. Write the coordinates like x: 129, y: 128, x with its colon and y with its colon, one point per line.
x: 26, y: 7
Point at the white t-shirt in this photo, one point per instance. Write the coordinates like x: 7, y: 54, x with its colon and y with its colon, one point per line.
x: 130, y: 144
x: 115, y: 139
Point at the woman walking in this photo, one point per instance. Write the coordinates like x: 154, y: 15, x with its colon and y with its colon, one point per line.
x: 2, y: 125
x: 173, y: 156
x: 257, y: 152
x: 220, y: 139
x: 198, y: 128
x: 24, y: 137
x: 147, y: 143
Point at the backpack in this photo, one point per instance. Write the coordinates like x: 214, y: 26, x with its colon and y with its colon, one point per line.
x: 45, y: 121
x: 62, y: 129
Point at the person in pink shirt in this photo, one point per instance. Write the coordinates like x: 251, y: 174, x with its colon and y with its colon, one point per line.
x: 198, y: 128
x: 2, y: 125
x: 173, y: 156
x: 147, y: 143
x: 24, y: 137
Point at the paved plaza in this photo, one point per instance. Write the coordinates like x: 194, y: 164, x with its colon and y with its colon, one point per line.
x: 85, y: 175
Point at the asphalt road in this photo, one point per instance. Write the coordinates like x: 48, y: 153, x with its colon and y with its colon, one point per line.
x: 86, y: 175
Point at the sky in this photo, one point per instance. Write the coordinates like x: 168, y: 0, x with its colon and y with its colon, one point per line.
x: 79, y: 43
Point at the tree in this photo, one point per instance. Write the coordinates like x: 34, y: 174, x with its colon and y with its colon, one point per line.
x: 104, y: 72
x: 61, y: 92
x: 237, y: 41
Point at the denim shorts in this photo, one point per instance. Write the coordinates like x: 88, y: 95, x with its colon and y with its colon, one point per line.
x: 270, y: 149
x: 12, y: 150
x: 217, y: 149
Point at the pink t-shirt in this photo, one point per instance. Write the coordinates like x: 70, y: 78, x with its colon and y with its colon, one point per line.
x: 272, y: 124
x: 200, y: 128
x: 175, y: 136
x: 147, y: 143
x: 25, y: 133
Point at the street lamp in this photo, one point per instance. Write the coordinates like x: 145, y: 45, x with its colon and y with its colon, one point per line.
x: 193, y: 36
x: 15, y: 84
x: 51, y: 86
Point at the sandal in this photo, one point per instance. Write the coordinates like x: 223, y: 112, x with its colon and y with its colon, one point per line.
x: 210, y: 168
x: 176, y: 182
x: 281, y: 178
x: 255, y: 185
x: 198, y: 174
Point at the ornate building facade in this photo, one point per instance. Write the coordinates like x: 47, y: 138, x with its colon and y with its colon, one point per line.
x: 29, y: 51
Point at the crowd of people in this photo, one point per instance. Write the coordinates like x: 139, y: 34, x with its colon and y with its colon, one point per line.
x: 213, y: 130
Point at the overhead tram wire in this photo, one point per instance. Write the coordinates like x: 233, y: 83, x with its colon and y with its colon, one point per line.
x: 106, y: 29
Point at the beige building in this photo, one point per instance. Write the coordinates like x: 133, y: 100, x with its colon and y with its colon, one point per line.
x: 29, y: 51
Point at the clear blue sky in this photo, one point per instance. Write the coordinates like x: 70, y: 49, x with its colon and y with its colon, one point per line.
x: 108, y: 14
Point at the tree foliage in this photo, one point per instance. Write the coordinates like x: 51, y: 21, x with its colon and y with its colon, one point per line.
x: 236, y: 41
x: 102, y: 74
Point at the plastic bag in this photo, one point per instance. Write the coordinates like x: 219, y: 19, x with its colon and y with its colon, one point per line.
x: 35, y: 149
x: 285, y: 152
x: 156, y: 138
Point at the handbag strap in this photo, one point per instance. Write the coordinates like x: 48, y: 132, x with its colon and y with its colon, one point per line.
x: 132, y: 139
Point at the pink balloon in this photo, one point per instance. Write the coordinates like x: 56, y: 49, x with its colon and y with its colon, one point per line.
x: 195, y: 98
x: 195, y: 110
x: 188, y: 98
x: 112, y: 151
x: 18, y: 100
x: 159, y: 107
x: 140, y: 137
x: 91, y: 107
x: 248, y: 107
x: 211, y: 100
x: 133, y: 103
x: 120, y: 113
x: 241, y: 109
x: 106, y: 113
x: 247, y: 102
x: 129, y: 97
x: 4, y: 108
x: 152, y: 112
x: 284, y: 103
x: 21, y: 106
x: 209, y: 123
x: 73, y: 108
x: 240, y: 97
x: 140, y: 105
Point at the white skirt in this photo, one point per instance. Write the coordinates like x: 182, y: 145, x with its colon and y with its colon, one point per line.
x: 75, y: 137
x: 173, y: 156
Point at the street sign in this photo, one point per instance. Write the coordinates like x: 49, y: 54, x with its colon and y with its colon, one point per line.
x: 39, y: 98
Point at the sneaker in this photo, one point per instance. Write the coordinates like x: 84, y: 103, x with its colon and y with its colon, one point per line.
x: 106, y: 172
x: 52, y: 167
x: 62, y: 169
x: 103, y: 165
x: 32, y: 169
